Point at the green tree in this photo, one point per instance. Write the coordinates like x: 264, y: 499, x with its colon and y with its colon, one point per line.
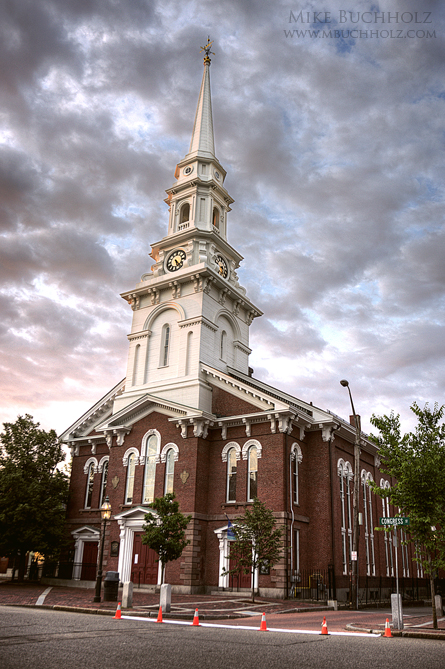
x: 33, y: 491
x: 258, y: 544
x: 416, y: 461
x: 165, y: 531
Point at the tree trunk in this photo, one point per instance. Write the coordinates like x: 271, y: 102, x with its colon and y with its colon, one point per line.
x: 253, y: 582
x: 433, y: 593
x: 22, y: 567
x: 162, y: 572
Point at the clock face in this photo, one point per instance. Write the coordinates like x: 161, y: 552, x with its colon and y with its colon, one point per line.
x: 223, y: 270
x: 188, y: 170
x: 176, y: 260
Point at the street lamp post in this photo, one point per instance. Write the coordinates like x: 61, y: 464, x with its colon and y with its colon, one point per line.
x: 355, y: 500
x: 105, y: 511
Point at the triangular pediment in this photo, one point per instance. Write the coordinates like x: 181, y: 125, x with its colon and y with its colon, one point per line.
x: 142, y: 407
x: 135, y: 513
x: 86, y: 532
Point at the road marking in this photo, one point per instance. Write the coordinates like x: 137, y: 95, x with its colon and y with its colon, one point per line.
x: 41, y: 599
x: 253, y: 629
x: 430, y: 622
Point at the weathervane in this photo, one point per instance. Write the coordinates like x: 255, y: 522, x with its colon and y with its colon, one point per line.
x: 207, y: 48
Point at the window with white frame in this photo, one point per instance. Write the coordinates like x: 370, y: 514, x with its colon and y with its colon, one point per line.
x: 369, y: 523
x: 129, y: 488
x: 296, y: 458
x: 223, y: 345
x: 252, y: 474
x: 165, y: 345
x: 297, y: 550
x: 345, y: 475
x: 90, y: 484
x: 215, y: 218
x: 169, y: 471
x: 387, y: 533
x: 419, y: 564
x: 103, y: 482
x: 404, y: 550
x: 185, y: 213
x: 151, y: 459
x: 231, y: 475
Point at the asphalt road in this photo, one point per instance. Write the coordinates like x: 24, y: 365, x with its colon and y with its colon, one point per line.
x: 45, y: 639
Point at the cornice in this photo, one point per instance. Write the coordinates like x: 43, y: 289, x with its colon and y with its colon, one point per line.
x: 180, y: 238
x: 94, y: 415
x: 203, y: 278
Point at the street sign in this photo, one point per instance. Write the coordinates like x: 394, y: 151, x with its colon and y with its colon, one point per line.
x: 396, y: 522
x: 354, y: 556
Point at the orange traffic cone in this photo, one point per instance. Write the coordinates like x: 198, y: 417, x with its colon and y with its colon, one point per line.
x: 387, y: 630
x: 263, y: 626
x: 324, y: 627
x: 159, y: 620
x: 196, y: 619
x: 118, y: 614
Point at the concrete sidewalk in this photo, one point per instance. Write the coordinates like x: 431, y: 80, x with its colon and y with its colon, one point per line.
x: 289, y: 614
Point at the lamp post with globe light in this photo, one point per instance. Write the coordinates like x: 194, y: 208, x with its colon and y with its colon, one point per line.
x: 105, y: 511
x: 355, y: 501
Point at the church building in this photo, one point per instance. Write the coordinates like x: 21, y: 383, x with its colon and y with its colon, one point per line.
x: 190, y: 418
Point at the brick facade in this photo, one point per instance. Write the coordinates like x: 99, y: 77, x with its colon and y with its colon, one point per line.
x: 200, y: 482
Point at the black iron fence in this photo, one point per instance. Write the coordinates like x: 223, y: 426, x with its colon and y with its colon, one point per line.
x: 319, y: 585
x: 85, y: 571
x: 314, y: 584
x: 372, y: 589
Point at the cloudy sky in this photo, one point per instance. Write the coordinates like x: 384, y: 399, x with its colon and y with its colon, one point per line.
x: 334, y: 146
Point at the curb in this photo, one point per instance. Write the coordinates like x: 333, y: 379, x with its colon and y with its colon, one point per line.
x: 128, y: 612
x: 355, y: 628
x: 438, y: 636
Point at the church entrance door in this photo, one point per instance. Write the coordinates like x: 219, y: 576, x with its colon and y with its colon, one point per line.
x: 144, y: 568
x: 89, y: 561
x: 240, y: 579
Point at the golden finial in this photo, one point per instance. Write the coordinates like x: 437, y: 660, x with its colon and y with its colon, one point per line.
x: 207, y: 48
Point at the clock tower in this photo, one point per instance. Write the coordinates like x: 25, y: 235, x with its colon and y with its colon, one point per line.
x: 190, y: 311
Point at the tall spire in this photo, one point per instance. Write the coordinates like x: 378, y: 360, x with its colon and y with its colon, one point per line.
x: 202, y: 142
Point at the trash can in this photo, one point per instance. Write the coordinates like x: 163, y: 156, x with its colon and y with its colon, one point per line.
x: 111, y: 586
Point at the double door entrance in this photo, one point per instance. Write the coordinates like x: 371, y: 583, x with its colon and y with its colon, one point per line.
x: 240, y: 579
x: 89, y: 561
x: 144, y: 568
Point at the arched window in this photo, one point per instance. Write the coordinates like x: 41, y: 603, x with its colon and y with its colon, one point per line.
x: 345, y: 475
x: 103, y: 483
x: 296, y: 458
x: 252, y: 481
x: 136, y: 364
x: 169, y: 471
x: 130, y: 478
x: 386, y: 512
x: 231, y: 475
x: 369, y: 523
x: 165, y: 345
x: 185, y: 213
x: 223, y: 345
x: 150, y: 469
x: 215, y: 218
x: 90, y: 483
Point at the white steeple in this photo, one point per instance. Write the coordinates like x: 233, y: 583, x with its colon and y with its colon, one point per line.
x: 190, y: 309
x: 202, y: 143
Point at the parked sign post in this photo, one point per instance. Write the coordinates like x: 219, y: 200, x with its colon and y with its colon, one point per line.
x: 399, y: 521
x: 397, y: 613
